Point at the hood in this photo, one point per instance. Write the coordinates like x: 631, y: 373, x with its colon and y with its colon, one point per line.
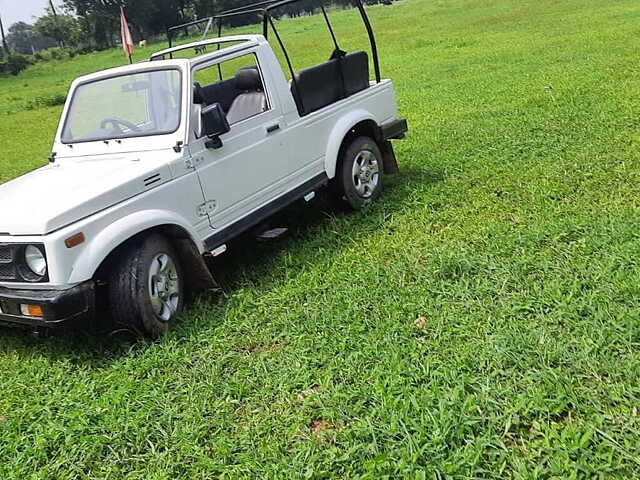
x: 64, y: 192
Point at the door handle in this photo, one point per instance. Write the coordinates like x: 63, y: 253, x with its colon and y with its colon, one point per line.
x: 273, y: 128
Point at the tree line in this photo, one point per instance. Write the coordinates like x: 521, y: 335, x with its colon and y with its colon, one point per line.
x: 95, y: 24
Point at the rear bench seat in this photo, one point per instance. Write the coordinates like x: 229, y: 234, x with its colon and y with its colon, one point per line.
x: 316, y: 87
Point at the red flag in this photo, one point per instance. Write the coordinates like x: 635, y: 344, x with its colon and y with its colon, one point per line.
x: 125, y: 34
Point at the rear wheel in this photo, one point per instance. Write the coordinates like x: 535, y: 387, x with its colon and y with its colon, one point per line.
x: 146, y: 287
x: 359, y: 179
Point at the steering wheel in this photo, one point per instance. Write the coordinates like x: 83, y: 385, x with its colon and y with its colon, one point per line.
x: 119, y: 121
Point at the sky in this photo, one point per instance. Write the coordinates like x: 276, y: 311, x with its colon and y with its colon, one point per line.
x: 13, y: 11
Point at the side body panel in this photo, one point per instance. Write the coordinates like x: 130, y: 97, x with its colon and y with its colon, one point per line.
x: 313, y: 144
x: 312, y: 148
x: 318, y: 136
x: 254, y: 166
x: 241, y: 174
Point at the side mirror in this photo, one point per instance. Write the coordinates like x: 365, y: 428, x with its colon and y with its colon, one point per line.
x: 214, y: 124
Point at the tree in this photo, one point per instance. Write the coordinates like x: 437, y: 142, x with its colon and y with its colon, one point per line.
x: 23, y: 38
x: 64, y: 29
x: 98, y: 19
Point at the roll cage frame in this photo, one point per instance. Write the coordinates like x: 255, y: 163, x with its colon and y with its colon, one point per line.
x: 265, y: 9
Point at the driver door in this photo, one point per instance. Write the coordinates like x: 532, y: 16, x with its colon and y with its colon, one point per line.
x: 250, y: 168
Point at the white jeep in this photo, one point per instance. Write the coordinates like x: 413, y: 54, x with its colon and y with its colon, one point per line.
x: 159, y: 163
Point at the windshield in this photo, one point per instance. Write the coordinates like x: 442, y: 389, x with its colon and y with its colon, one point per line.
x: 133, y: 105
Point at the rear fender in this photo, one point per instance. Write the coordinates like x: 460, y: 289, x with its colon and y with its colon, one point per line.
x: 338, y: 134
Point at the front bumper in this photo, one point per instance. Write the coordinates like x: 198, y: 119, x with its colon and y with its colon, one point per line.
x: 59, y: 307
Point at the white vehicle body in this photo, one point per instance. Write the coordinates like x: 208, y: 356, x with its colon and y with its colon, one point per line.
x: 111, y: 191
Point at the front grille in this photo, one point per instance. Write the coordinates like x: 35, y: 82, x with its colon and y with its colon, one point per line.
x: 6, y: 254
x: 13, y: 267
x: 8, y: 272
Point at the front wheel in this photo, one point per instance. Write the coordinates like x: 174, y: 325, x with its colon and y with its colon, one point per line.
x: 359, y: 178
x: 146, y: 288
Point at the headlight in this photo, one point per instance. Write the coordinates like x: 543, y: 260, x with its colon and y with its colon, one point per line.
x: 35, y: 260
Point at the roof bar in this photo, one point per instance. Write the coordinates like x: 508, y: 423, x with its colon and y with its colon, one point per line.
x: 372, y: 38
x: 365, y: 18
x: 326, y: 19
x: 170, y: 30
x: 252, y: 6
x: 268, y: 18
x: 266, y: 6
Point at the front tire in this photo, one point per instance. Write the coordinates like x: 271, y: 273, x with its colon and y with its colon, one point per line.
x: 358, y: 180
x: 146, y: 287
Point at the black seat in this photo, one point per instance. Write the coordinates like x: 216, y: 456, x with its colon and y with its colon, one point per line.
x: 223, y: 92
x: 355, y: 69
x: 343, y: 75
x: 316, y: 87
x: 251, y: 100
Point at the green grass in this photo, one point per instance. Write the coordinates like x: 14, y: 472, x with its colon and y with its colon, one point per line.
x: 511, y: 234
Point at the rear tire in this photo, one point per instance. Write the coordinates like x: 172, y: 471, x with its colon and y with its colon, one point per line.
x: 146, y: 287
x: 358, y: 180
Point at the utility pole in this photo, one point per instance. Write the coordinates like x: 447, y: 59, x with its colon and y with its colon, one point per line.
x: 55, y: 17
x: 4, y: 40
x: 53, y: 9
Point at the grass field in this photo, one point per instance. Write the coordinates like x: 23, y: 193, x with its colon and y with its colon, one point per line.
x: 480, y: 321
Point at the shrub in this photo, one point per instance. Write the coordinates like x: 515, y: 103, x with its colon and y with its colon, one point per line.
x: 15, y: 63
x: 81, y: 50
x: 50, y: 101
x: 56, y: 53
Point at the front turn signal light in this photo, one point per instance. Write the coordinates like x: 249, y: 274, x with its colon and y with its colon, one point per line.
x: 31, y: 311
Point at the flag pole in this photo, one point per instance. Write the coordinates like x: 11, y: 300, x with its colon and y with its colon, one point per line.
x: 125, y: 35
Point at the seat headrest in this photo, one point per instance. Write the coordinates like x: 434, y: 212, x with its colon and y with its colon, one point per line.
x: 248, y: 79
